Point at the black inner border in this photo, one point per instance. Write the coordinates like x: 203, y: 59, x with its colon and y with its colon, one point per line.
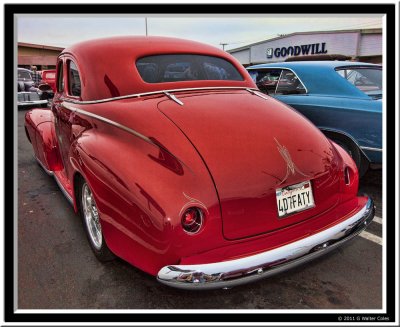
x: 9, y: 124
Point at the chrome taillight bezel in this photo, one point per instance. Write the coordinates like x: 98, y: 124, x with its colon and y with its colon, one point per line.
x: 196, y: 226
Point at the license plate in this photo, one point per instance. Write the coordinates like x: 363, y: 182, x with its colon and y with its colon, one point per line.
x: 294, y: 198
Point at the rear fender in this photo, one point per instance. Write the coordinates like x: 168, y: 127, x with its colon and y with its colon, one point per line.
x: 141, y: 192
x: 39, y: 124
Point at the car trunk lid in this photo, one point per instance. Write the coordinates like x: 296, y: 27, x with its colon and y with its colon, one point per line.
x: 254, y: 147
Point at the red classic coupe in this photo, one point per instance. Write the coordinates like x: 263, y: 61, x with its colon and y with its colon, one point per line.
x: 179, y: 165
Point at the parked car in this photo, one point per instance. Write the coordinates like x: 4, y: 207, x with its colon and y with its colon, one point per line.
x: 343, y: 99
x: 204, y: 183
x: 49, y: 77
x: 28, y: 94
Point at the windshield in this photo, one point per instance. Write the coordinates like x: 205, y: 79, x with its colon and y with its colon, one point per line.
x: 185, y: 67
x: 368, y: 80
x: 24, y: 75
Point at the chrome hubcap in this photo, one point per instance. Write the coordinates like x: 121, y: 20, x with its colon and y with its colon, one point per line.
x: 91, y: 217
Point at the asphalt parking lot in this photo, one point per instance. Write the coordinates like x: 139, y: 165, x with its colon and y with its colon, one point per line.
x: 57, y: 270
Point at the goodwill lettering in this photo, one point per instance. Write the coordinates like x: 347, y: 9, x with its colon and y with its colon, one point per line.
x: 305, y: 49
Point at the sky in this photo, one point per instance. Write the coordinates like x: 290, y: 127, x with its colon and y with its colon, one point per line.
x: 235, y: 31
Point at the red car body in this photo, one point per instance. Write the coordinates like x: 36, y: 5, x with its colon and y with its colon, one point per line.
x: 150, y: 152
x: 49, y: 77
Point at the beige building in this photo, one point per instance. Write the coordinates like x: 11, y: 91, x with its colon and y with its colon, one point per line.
x: 361, y: 45
x: 41, y: 56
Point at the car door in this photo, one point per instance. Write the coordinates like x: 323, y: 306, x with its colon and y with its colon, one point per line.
x: 68, y: 88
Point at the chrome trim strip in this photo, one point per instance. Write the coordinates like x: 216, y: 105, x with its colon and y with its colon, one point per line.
x: 118, y: 125
x: 63, y: 190
x: 174, y: 98
x: 279, y: 79
x: 108, y: 121
x: 257, y: 93
x: 231, y: 273
x: 50, y: 173
x: 370, y: 149
x: 30, y: 103
x: 138, y: 95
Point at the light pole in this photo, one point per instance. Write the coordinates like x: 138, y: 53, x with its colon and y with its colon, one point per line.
x: 145, y: 19
x: 223, y: 45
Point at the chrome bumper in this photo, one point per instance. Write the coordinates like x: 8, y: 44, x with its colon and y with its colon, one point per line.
x: 231, y: 273
x: 31, y: 103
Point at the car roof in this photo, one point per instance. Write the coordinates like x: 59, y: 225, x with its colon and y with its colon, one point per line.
x: 313, y: 64
x: 320, y: 77
x: 107, y: 66
x: 24, y: 69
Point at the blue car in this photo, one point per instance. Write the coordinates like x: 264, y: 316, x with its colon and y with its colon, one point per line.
x: 343, y: 99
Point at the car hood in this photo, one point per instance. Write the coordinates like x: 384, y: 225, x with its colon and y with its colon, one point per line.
x: 253, y: 146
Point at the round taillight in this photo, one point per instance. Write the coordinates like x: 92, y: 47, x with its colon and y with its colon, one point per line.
x: 192, y: 220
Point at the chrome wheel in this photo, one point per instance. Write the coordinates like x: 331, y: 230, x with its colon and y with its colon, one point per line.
x: 91, y: 217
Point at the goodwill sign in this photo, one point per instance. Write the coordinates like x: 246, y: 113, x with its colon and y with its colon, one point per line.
x: 304, y: 49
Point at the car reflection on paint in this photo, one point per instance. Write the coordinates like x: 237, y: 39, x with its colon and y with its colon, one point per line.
x: 342, y: 98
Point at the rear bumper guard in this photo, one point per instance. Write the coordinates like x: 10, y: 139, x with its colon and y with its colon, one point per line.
x: 231, y: 273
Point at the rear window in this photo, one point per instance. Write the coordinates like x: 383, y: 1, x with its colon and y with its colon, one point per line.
x: 366, y: 79
x: 185, y: 67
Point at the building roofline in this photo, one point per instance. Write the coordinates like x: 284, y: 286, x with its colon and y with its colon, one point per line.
x: 362, y: 31
x: 39, y: 46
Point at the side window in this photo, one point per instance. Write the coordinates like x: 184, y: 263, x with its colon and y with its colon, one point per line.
x: 60, y: 80
x: 74, y: 81
x: 266, y: 79
x: 289, y: 83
